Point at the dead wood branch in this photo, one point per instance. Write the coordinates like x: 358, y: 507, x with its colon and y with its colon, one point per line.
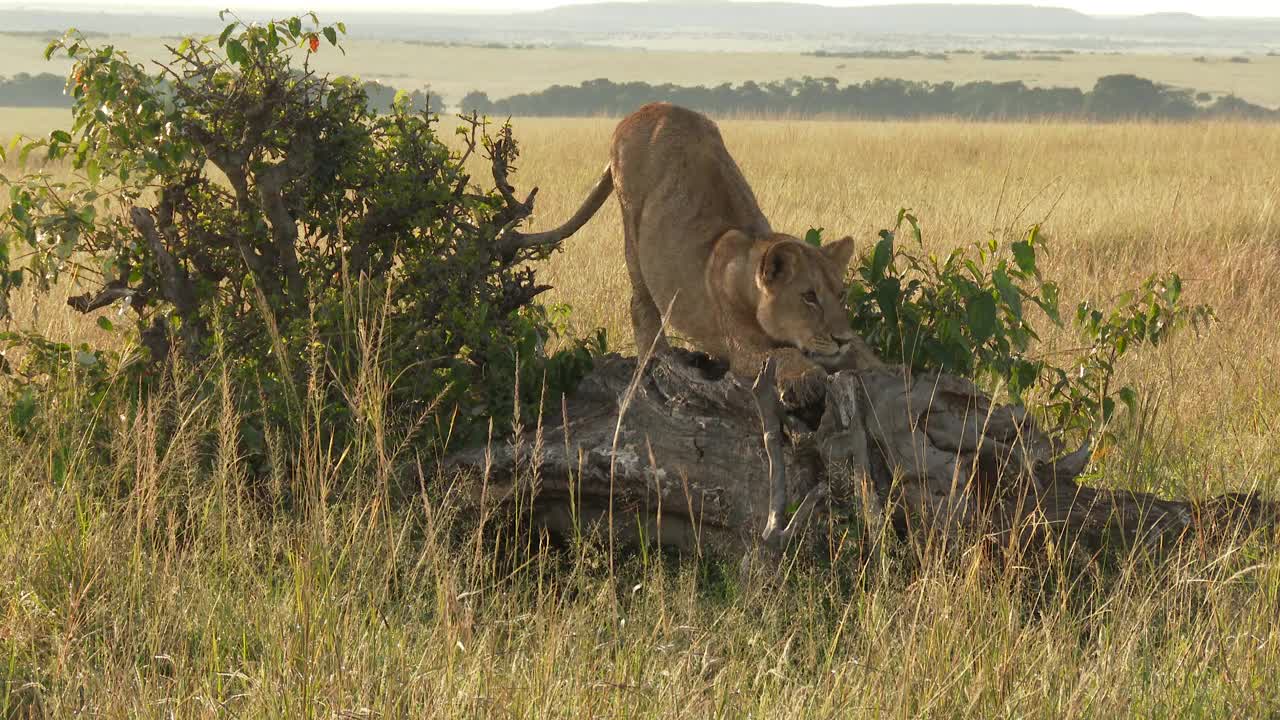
x: 929, y: 453
x: 765, y: 391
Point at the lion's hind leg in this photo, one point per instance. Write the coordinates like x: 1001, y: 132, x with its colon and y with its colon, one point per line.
x: 646, y: 323
x: 646, y: 316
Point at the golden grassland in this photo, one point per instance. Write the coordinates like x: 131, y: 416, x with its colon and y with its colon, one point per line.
x: 30, y: 122
x: 151, y: 581
x: 1118, y: 203
x: 455, y: 71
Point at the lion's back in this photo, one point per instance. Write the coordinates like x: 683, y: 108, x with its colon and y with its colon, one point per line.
x: 680, y: 192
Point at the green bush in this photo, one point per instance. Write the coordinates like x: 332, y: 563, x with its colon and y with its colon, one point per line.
x: 973, y: 313
x: 236, y: 203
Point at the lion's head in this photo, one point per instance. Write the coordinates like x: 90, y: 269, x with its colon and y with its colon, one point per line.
x: 802, y: 296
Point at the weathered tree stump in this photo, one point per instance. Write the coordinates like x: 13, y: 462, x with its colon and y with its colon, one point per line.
x: 684, y: 455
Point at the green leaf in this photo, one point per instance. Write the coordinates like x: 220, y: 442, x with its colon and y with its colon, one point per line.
x: 226, y: 33
x: 1025, y: 256
x: 1048, y: 302
x: 888, y: 293
x: 342, y: 28
x: 236, y: 52
x: 1009, y: 293
x: 1130, y: 399
x: 184, y: 46
x: 881, y: 257
x: 67, y: 244
x: 814, y: 237
x: 981, y: 314
x: 331, y: 35
x: 105, y: 323
x: 23, y: 410
x: 1024, y: 375
x: 1173, y: 289
x: 915, y: 228
x: 295, y: 26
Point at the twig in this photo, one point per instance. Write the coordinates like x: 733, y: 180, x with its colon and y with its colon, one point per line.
x: 765, y: 391
x: 801, y: 517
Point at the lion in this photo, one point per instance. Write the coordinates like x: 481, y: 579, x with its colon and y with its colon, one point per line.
x: 700, y: 251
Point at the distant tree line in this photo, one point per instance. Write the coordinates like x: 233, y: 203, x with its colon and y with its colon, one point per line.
x: 937, y: 55
x: 26, y: 90
x: 1114, y: 97
x: 49, y: 90
x: 879, y: 54
x: 382, y: 96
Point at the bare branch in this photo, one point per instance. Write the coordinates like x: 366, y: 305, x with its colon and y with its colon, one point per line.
x: 175, y: 286
x: 284, y: 227
x: 1067, y: 467
x: 765, y: 391
x: 89, y: 302
x: 801, y: 517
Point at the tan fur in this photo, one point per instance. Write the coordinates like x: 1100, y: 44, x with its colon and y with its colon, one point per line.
x: 697, y: 242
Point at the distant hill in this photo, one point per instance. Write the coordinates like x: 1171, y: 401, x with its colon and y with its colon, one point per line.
x: 807, y: 18
x: 692, y: 17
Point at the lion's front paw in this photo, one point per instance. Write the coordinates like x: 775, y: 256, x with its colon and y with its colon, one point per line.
x: 804, y: 388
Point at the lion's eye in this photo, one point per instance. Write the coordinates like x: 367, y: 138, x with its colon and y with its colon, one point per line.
x: 810, y: 297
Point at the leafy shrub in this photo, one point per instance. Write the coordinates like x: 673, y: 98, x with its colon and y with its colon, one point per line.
x: 236, y: 203
x: 972, y: 313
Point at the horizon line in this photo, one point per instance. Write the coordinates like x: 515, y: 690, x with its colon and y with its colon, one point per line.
x: 201, y: 6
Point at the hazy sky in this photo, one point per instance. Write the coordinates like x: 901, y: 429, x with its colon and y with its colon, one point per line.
x: 1237, y: 8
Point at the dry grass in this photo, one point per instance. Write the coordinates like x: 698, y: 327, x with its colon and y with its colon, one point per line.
x: 1118, y: 203
x: 31, y: 122
x: 150, y: 581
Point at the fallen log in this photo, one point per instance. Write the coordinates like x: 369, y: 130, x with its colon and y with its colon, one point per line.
x: 683, y: 454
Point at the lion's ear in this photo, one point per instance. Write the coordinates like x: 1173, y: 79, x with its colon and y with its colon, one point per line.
x: 839, y: 252
x: 777, y: 265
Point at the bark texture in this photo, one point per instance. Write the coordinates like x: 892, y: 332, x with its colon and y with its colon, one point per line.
x: 685, y: 455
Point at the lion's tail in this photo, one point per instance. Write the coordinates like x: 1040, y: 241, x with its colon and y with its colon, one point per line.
x: 600, y: 193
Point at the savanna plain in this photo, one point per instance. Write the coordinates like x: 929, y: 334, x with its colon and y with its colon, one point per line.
x: 454, y: 71
x: 134, y: 583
